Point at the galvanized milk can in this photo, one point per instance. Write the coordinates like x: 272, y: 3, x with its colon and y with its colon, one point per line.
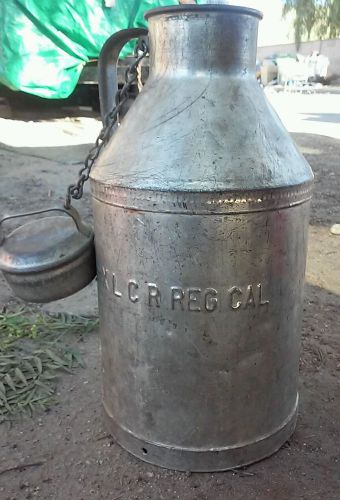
x: 201, y: 205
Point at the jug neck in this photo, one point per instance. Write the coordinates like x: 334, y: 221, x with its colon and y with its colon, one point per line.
x: 203, y: 39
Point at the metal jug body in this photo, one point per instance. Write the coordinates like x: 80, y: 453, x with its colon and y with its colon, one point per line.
x: 206, y: 201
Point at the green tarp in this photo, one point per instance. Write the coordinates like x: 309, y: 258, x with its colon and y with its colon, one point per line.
x: 44, y: 44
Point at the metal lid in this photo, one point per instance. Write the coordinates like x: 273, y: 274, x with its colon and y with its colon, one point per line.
x: 192, y: 8
x: 44, y: 244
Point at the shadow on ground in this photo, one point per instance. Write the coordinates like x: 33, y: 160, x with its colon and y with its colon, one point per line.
x: 67, y: 451
x: 323, y: 154
x: 322, y: 117
x: 76, y: 458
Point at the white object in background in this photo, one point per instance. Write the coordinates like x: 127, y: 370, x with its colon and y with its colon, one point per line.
x: 335, y: 229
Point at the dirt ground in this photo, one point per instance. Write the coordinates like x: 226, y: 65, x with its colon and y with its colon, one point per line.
x: 66, y: 452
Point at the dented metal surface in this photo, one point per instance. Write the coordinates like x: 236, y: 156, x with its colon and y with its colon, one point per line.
x: 201, y: 206
x: 49, y: 258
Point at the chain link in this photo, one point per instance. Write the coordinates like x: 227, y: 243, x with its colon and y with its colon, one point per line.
x: 76, y: 190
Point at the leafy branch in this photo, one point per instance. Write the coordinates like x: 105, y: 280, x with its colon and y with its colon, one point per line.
x: 319, y: 16
x: 33, y: 350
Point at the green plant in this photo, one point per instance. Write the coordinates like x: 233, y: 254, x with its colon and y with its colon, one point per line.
x: 321, y: 17
x: 34, y: 348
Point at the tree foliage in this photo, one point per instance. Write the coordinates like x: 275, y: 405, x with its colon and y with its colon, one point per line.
x: 321, y: 17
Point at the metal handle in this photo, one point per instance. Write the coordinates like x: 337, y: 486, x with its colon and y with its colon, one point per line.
x: 107, y: 67
x: 72, y: 212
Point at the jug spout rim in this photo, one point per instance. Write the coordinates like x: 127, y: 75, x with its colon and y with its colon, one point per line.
x: 177, y: 9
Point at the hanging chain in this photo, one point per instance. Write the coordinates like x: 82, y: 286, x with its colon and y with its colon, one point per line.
x: 76, y: 190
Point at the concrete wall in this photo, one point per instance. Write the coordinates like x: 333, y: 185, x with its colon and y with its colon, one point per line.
x: 329, y: 48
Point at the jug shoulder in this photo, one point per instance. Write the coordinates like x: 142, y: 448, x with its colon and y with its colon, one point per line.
x: 205, y: 135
